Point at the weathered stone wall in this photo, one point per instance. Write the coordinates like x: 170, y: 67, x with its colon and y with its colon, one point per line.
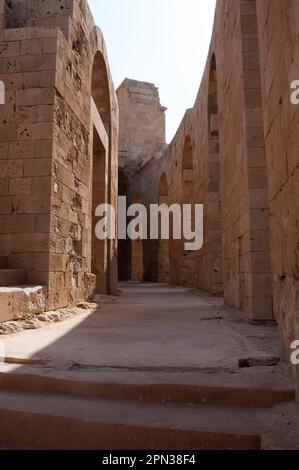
x: 142, y: 122
x: 27, y: 67
x: 60, y: 117
x: 81, y: 61
x: 224, y: 168
x: 279, y: 50
x: 24, y: 13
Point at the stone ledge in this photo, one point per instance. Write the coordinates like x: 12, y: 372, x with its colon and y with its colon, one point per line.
x: 19, y: 302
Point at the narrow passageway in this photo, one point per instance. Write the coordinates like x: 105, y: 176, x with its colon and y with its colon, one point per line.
x: 150, y: 326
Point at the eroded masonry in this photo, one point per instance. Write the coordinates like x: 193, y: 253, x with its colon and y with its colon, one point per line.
x: 58, y: 148
x: 235, y: 152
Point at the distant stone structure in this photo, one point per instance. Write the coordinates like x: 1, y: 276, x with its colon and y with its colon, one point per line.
x: 142, y: 133
x: 141, y: 139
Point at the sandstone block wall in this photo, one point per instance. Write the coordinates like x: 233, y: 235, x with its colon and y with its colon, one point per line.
x: 24, y: 13
x: 60, y: 118
x: 278, y: 29
x: 142, y: 122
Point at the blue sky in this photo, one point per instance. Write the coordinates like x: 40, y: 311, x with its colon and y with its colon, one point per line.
x: 159, y: 41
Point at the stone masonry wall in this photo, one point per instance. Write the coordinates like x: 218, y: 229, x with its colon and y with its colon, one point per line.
x: 278, y: 28
x: 24, y: 13
x: 142, y: 122
x: 53, y: 60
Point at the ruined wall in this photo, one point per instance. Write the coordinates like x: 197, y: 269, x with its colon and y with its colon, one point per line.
x: 278, y: 27
x: 226, y: 172
x: 24, y: 13
x: 141, y: 138
x: 142, y: 122
x: 48, y: 150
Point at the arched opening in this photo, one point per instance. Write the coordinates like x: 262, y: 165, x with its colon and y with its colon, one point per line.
x: 187, y: 160
x: 163, y: 245
x: 213, y: 221
x: 100, y: 90
x: 100, y: 129
x: 130, y: 252
x: 188, y: 275
x: 124, y: 246
x: 163, y: 190
x: 137, y: 252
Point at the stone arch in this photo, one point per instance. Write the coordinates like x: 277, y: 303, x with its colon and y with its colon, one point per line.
x: 100, y: 150
x: 103, y: 144
x: 137, y: 260
x: 213, y: 219
x: 100, y: 90
x: 163, y: 189
x: 124, y: 246
x: 187, y: 158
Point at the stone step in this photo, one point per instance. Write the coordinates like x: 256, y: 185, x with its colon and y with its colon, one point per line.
x: 18, y: 302
x: 243, y: 388
x: 12, y: 277
x: 3, y: 262
x: 59, y: 421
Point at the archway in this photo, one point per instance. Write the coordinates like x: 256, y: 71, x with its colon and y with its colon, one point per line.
x: 130, y: 252
x: 137, y: 262
x: 124, y: 246
x: 213, y: 220
x: 100, y: 129
x: 100, y: 91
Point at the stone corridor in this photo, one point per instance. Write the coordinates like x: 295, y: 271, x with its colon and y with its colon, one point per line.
x: 189, y: 349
